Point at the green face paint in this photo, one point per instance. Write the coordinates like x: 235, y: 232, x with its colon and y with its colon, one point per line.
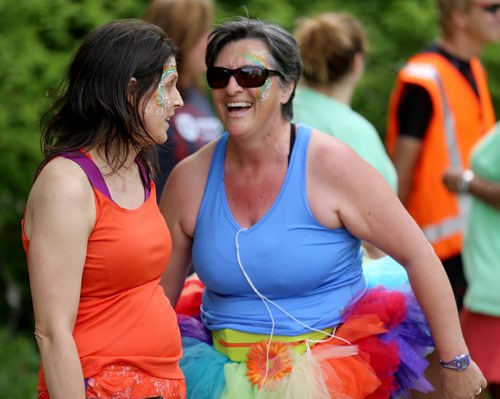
x: 161, y: 99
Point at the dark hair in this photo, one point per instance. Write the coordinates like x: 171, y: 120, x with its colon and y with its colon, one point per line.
x: 280, y: 43
x: 98, y: 105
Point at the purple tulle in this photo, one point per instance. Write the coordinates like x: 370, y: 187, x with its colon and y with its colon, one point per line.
x: 193, y: 327
x: 415, y: 341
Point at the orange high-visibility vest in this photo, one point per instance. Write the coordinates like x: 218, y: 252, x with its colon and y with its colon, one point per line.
x: 458, y: 120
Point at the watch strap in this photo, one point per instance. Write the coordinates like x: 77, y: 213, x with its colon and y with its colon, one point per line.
x: 460, y: 363
x: 465, y: 180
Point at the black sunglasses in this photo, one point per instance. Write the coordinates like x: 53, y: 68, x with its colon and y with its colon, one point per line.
x: 490, y: 8
x: 247, y: 76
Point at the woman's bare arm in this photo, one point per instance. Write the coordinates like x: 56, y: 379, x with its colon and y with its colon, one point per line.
x: 363, y: 202
x: 60, y: 216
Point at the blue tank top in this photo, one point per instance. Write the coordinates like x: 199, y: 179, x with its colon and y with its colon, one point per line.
x: 310, y: 271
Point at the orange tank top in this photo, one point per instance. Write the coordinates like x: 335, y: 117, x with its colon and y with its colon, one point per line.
x: 123, y: 313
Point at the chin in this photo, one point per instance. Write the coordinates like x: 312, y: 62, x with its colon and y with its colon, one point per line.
x: 160, y: 138
x: 237, y: 128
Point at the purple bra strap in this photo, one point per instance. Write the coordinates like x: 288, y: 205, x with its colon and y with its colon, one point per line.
x: 92, y: 171
x: 144, y: 176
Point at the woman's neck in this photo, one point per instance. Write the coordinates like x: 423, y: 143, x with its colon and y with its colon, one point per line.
x: 341, y: 91
x: 254, y: 150
x: 128, y: 166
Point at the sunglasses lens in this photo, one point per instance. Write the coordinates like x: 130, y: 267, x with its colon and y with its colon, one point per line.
x: 251, y: 76
x: 217, y: 77
x: 493, y: 8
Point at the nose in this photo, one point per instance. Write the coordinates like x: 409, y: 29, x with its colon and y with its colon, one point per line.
x: 233, y: 86
x: 178, y: 102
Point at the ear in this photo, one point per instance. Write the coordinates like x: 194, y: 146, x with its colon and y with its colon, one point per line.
x: 287, y: 92
x: 358, y: 65
x: 131, y: 85
x: 459, y: 19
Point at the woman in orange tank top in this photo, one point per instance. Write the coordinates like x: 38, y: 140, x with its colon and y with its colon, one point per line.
x: 95, y: 241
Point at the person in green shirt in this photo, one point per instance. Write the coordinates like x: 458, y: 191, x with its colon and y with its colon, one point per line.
x: 480, y: 316
x: 333, y: 50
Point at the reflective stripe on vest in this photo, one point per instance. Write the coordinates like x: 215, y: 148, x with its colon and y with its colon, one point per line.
x: 450, y: 226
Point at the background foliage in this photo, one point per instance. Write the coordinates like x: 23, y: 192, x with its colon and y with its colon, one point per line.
x: 37, y: 38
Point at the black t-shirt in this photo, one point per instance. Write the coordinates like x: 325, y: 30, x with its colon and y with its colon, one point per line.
x: 415, y: 105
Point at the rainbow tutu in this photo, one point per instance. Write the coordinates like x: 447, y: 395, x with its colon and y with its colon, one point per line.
x: 377, y: 352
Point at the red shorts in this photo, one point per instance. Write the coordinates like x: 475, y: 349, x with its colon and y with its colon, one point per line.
x: 481, y: 333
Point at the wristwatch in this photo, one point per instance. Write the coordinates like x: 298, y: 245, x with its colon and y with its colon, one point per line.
x: 460, y: 363
x: 463, y: 183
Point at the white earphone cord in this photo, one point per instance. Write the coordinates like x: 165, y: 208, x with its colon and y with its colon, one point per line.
x: 266, y: 300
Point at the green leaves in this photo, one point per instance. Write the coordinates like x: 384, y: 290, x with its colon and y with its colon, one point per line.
x: 19, y: 359
x: 37, y: 39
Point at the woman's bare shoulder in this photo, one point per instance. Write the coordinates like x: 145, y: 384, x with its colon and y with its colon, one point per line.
x: 62, y: 177
x: 329, y: 154
x: 62, y: 187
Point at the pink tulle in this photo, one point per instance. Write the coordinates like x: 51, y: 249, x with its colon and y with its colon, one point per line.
x: 190, y: 300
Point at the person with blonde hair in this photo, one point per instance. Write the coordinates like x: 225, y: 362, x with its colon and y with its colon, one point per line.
x: 187, y: 23
x: 333, y: 47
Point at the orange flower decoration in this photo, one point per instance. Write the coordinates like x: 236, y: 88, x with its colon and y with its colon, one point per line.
x: 279, y: 362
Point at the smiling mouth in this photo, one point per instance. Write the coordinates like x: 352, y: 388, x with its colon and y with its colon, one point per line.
x: 238, y: 106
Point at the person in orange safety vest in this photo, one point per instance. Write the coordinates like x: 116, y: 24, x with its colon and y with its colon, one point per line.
x: 439, y: 108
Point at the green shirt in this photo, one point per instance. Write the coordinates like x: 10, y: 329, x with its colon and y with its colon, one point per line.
x: 481, y: 250
x: 339, y: 120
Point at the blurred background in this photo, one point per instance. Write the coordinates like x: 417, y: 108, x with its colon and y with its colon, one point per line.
x: 37, y: 38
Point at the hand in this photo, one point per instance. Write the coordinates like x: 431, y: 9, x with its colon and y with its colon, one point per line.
x: 451, y: 178
x: 465, y: 384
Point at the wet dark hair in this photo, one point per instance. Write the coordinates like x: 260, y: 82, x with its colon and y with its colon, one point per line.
x: 280, y: 43
x: 99, y: 105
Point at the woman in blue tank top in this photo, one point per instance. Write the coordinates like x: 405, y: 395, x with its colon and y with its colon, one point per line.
x: 272, y: 215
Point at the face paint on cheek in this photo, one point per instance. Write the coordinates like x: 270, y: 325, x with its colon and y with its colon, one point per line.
x: 260, y: 59
x: 263, y: 92
x: 162, y: 100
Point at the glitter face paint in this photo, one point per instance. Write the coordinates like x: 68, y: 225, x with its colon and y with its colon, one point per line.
x: 161, y: 99
x: 260, y: 60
